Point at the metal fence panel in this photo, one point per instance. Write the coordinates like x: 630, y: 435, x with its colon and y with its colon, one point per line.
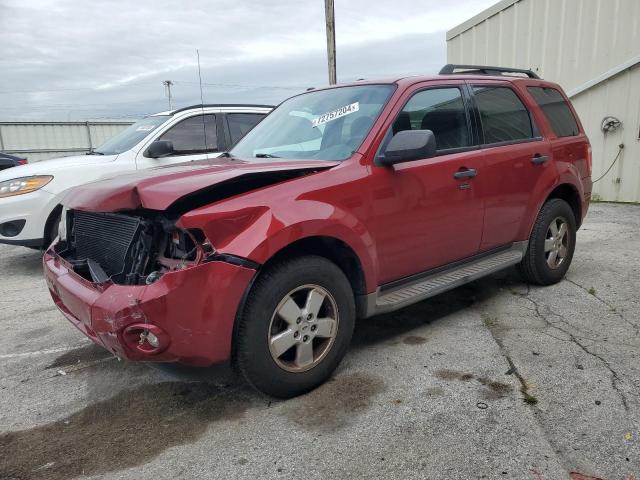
x: 43, y: 140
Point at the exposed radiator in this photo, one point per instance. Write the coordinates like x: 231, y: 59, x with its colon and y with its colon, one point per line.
x: 105, y: 238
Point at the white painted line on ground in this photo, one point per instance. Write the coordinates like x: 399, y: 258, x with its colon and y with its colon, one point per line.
x: 42, y: 352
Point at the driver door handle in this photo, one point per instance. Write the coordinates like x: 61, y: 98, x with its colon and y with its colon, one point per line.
x: 466, y: 173
x: 538, y: 159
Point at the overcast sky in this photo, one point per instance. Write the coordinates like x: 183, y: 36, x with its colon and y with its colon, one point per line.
x: 83, y: 59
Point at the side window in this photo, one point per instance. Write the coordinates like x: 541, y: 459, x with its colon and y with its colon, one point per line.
x: 241, y: 123
x: 193, y: 135
x: 555, y: 108
x: 440, y: 110
x: 504, y: 117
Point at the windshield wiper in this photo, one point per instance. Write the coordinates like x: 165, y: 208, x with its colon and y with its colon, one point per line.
x: 265, y: 155
x: 93, y: 152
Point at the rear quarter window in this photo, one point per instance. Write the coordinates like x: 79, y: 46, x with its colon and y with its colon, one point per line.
x: 241, y: 123
x: 556, y: 109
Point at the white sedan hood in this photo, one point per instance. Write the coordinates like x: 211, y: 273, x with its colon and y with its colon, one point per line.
x: 49, y: 167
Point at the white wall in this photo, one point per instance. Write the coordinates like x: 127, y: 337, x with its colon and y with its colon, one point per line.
x: 571, y: 42
x: 42, y: 140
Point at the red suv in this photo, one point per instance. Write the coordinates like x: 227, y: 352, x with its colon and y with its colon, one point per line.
x: 343, y: 203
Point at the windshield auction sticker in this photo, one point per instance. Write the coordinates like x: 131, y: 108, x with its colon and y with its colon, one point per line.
x: 337, y: 113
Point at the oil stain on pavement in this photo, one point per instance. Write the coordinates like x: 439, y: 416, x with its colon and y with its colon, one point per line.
x: 493, y: 390
x: 90, y: 353
x: 333, y: 405
x: 414, y: 340
x: 124, y: 431
x: 38, y: 332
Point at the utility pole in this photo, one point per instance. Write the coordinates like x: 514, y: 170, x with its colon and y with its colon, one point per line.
x: 167, y: 90
x: 331, y: 40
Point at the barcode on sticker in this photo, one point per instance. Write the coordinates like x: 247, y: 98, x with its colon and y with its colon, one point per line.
x: 337, y: 113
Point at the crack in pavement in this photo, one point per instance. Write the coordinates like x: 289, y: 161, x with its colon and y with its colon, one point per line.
x: 530, y: 400
x: 612, y: 308
x: 538, y: 413
x: 615, y: 377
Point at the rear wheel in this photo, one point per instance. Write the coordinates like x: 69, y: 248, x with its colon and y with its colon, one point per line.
x: 551, y: 244
x: 296, y: 326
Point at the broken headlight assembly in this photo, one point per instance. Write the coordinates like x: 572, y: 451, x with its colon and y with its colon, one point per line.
x: 137, y: 248
x: 179, y: 249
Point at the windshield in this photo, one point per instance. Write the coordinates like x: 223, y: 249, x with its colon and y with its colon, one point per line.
x: 322, y: 125
x: 131, y: 135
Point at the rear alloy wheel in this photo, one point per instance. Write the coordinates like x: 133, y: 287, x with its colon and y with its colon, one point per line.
x: 296, y: 326
x: 556, y: 244
x: 551, y: 245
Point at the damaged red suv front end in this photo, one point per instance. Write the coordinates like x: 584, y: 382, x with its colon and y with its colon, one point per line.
x: 170, y: 313
x: 133, y: 279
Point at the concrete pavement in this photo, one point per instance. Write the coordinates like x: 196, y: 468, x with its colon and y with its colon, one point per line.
x: 492, y: 380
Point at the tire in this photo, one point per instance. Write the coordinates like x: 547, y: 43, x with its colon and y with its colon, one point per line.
x: 270, y: 322
x: 540, y: 265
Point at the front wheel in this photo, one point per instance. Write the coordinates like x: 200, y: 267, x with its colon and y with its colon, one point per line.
x: 296, y: 326
x: 551, y: 245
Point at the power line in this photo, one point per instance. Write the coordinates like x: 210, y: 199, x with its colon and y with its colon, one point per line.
x: 141, y: 84
x: 78, y: 89
x: 76, y: 105
x: 237, y: 85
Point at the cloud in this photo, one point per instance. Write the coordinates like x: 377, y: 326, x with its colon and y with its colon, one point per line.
x: 72, y: 59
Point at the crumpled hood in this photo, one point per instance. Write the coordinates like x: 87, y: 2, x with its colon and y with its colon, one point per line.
x: 159, y: 188
x: 49, y: 167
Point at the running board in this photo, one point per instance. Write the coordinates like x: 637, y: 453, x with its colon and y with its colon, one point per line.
x: 393, y: 298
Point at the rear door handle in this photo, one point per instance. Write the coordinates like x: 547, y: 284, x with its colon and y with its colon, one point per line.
x: 466, y: 173
x: 538, y: 159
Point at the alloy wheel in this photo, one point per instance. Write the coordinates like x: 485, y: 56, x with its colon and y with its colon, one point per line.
x: 556, y: 244
x: 303, y: 328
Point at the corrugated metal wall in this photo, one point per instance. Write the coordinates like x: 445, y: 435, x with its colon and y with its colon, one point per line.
x: 572, y: 42
x: 42, y: 140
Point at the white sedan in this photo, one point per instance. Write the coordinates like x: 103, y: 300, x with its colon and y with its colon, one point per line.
x: 30, y: 195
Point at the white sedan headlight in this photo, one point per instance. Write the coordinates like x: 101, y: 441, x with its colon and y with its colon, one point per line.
x: 18, y: 186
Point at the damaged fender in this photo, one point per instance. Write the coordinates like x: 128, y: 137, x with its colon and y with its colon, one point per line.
x: 258, y: 233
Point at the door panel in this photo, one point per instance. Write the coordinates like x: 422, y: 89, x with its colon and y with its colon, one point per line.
x: 428, y: 213
x: 510, y: 177
x: 515, y: 159
x: 423, y: 217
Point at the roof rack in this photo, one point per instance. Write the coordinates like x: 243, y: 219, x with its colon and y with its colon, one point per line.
x: 484, y: 70
x: 220, y: 105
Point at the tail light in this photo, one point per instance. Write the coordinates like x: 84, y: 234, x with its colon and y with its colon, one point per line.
x: 22, y: 161
x: 589, y: 159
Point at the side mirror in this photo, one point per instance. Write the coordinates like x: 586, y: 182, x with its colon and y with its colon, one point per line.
x: 159, y: 148
x: 409, y: 145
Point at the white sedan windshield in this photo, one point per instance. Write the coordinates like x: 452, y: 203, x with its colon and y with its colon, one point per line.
x: 131, y: 135
x: 323, y: 125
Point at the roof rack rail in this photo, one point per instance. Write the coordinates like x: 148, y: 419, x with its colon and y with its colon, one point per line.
x: 220, y: 105
x: 484, y: 70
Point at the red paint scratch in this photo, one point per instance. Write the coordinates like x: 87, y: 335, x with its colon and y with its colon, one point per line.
x: 536, y: 473
x: 582, y: 476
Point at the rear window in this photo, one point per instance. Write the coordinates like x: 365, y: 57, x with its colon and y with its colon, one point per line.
x: 504, y: 117
x: 556, y: 110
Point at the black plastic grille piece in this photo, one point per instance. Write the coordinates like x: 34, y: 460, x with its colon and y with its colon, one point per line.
x: 104, y: 238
